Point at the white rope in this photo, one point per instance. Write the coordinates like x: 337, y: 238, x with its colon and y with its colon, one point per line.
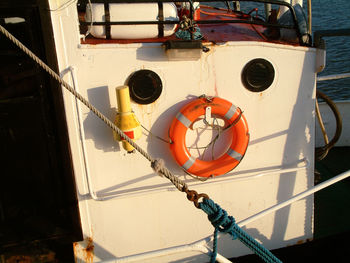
x: 178, y: 183
x: 157, y: 165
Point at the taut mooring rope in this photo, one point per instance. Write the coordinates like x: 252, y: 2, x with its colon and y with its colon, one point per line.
x: 179, y: 184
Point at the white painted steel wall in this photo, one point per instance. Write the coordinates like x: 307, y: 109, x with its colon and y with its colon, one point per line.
x: 143, y: 212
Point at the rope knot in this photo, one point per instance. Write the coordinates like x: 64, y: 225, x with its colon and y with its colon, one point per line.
x: 157, y: 165
x: 223, y: 223
x: 219, y: 218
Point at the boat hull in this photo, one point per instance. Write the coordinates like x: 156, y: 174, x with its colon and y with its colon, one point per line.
x: 126, y: 209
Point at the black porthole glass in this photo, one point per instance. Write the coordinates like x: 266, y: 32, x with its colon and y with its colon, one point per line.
x: 258, y: 75
x: 145, y: 86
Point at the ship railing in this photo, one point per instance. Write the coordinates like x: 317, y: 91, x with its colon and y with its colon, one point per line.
x: 333, y: 77
x: 319, y: 42
x: 199, y: 22
x: 322, y: 150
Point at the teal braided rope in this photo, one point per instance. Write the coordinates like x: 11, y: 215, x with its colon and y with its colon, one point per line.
x: 186, y: 34
x: 190, y: 31
x: 226, y: 224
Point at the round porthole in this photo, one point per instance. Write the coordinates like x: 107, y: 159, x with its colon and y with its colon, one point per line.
x: 258, y: 75
x: 145, y: 86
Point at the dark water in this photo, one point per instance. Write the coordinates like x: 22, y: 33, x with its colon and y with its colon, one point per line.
x: 334, y: 14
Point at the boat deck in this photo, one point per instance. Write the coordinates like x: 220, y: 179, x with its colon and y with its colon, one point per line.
x: 239, y: 27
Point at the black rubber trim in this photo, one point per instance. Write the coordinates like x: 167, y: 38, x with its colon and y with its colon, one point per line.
x: 160, y: 18
x: 107, y: 20
x: 258, y: 75
x: 145, y: 86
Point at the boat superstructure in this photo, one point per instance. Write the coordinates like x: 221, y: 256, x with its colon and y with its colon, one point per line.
x: 261, y: 61
x: 120, y: 191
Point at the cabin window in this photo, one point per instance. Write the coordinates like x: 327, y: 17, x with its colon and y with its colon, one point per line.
x: 145, y: 86
x: 258, y: 75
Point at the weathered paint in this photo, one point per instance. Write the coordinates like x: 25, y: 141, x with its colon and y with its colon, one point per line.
x: 84, y: 251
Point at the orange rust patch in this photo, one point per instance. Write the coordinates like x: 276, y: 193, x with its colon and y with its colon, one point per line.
x: 89, y: 250
x: 85, y: 251
x: 90, y: 245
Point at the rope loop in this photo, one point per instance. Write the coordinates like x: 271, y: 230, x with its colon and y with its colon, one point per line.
x: 208, y: 98
x: 230, y: 227
x: 219, y: 217
x: 227, y: 224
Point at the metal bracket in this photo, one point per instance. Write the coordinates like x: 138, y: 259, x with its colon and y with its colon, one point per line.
x: 207, y: 118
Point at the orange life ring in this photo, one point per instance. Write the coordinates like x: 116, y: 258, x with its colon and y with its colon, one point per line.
x: 223, y: 109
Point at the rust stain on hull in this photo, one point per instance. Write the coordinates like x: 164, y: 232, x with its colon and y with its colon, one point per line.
x: 89, y: 250
x: 85, y: 251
